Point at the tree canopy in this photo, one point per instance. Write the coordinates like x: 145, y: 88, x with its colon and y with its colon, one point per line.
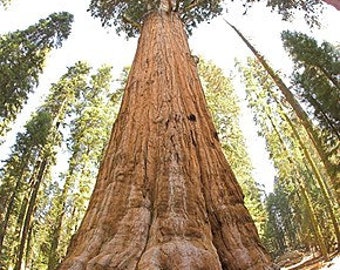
x: 121, y: 13
x: 316, y: 79
x: 22, y: 57
x: 311, y: 8
x: 40, y: 212
x: 127, y: 16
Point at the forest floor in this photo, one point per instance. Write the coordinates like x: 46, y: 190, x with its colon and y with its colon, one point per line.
x: 316, y: 263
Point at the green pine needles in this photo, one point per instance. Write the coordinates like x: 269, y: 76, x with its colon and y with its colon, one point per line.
x: 127, y: 15
x: 22, y: 57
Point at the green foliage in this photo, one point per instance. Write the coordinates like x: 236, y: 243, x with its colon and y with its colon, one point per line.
x: 292, y: 156
x: 278, y: 234
x: 310, y: 8
x: 120, y: 13
x: 22, y: 56
x: 316, y: 79
x: 224, y: 106
x: 282, y: 225
x: 17, y: 178
x: 92, y: 115
x: 127, y: 15
x: 83, y: 107
x: 26, y: 171
x: 286, y: 8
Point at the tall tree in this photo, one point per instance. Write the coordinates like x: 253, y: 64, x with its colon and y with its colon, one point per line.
x: 165, y: 195
x: 29, y: 165
x: 300, y: 113
x: 317, y: 175
x: 316, y: 79
x: 22, y: 57
x: 265, y: 118
x: 275, y: 122
x: 224, y: 106
x: 16, y: 177
x: 281, y: 225
x: 93, y: 111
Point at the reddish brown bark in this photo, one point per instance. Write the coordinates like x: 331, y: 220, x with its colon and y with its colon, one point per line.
x: 165, y: 196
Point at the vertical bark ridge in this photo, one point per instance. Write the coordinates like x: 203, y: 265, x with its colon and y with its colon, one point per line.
x: 165, y: 197
x: 174, y: 223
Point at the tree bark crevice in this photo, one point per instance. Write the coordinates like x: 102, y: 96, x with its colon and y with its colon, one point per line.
x: 165, y: 197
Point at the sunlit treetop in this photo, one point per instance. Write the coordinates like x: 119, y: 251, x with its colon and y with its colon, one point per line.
x: 287, y: 8
x: 306, y: 51
x: 22, y: 57
x: 57, y: 27
x: 127, y: 15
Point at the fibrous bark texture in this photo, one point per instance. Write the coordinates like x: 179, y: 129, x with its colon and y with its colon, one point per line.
x: 165, y: 196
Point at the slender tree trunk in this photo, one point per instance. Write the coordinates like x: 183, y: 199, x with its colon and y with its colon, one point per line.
x: 316, y: 172
x: 320, y: 181
x: 53, y: 258
x: 316, y: 105
x: 28, y: 218
x: 301, y: 114
x: 10, y: 206
x: 165, y: 196
x: 328, y: 76
x: 29, y: 258
x: 314, y: 223
x: 8, y: 213
x: 301, y: 186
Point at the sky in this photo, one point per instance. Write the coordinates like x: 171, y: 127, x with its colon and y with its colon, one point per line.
x: 215, y: 41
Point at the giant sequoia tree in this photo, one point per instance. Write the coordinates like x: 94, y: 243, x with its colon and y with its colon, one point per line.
x: 165, y: 196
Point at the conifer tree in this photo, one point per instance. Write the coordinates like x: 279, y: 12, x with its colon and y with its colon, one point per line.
x: 93, y: 111
x: 22, y: 57
x: 33, y: 154
x: 274, y: 121
x: 165, y: 196
x: 92, y: 118
x: 301, y: 114
x: 224, y: 106
x: 280, y: 235
x: 316, y: 79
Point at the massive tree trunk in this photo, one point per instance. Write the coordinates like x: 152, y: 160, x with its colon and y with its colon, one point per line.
x: 165, y: 196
